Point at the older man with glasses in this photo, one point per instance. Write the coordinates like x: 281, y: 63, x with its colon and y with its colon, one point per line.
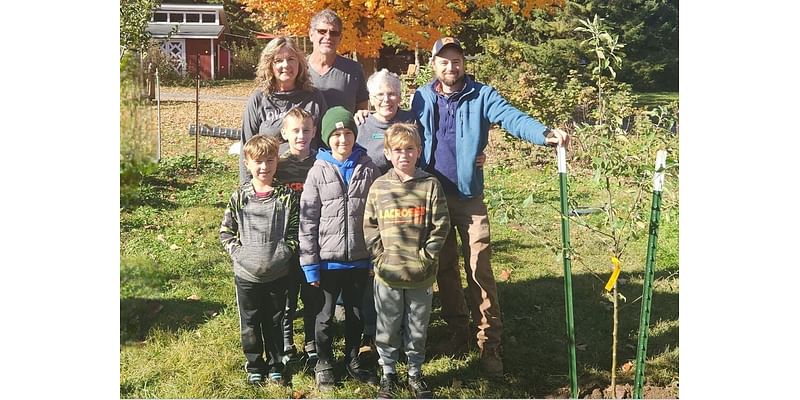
x: 340, y: 80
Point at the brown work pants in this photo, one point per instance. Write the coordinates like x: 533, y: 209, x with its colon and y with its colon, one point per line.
x: 470, y: 218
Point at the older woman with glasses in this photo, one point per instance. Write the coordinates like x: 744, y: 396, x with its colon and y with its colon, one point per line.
x: 283, y: 83
x: 384, y: 95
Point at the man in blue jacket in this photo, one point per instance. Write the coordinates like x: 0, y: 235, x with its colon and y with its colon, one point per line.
x: 456, y: 113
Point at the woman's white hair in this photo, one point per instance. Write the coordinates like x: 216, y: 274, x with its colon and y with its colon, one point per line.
x: 383, y: 77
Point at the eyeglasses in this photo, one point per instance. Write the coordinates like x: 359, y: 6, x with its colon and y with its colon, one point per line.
x: 323, y: 32
x: 390, y: 95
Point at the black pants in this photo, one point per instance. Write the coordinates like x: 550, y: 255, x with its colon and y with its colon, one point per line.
x: 261, y: 308
x: 351, y: 284
x: 312, y: 302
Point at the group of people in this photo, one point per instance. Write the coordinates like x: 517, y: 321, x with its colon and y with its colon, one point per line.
x: 339, y: 203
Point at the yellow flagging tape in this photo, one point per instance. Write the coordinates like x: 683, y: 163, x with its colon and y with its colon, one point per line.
x: 614, y: 275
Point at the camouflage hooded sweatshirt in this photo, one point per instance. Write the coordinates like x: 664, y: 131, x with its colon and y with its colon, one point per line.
x: 405, y: 226
x: 260, y: 234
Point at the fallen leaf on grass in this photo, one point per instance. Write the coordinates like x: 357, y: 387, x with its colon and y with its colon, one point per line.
x: 193, y: 297
x: 174, y: 247
x: 161, y: 238
x: 505, y: 275
x: 627, y: 366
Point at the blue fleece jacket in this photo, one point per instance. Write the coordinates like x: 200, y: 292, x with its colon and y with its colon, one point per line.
x: 479, y: 107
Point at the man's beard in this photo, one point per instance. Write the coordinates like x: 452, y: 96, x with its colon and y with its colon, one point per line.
x: 453, y: 81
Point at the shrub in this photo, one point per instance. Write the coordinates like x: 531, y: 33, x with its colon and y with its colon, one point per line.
x: 137, y: 143
x: 244, y: 60
x: 167, y: 74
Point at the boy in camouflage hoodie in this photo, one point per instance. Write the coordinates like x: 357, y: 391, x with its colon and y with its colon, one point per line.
x: 406, y: 221
x: 259, y: 231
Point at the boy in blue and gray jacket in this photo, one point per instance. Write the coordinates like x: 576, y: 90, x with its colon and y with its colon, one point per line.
x: 259, y: 231
x: 332, y: 249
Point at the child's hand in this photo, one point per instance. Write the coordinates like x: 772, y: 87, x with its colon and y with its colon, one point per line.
x: 314, y: 284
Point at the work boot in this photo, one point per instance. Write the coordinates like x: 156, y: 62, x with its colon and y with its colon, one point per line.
x: 363, y: 375
x: 491, y: 363
x: 456, y: 344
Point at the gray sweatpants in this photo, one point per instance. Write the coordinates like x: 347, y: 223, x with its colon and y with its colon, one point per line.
x: 403, y: 312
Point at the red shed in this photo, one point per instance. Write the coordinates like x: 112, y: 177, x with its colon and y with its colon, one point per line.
x: 189, y: 33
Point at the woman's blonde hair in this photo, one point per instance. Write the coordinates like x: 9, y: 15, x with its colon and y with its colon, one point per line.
x: 266, y: 80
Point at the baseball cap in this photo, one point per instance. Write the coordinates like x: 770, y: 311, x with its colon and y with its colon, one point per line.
x: 444, y: 42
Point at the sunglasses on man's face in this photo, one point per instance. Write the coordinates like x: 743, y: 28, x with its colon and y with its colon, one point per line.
x: 323, y: 32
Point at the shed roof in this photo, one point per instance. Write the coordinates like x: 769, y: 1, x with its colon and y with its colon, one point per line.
x: 186, y: 31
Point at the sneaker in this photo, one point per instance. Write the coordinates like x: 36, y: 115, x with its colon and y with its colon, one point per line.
x: 255, y: 378
x: 325, y: 380
x: 276, y: 378
x: 419, y: 387
x: 311, y: 355
x: 362, y: 375
x: 456, y: 344
x: 311, y: 359
x: 491, y: 363
x: 289, y: 355
x: 388, y: 386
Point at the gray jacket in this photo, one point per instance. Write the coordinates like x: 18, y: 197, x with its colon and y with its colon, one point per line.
x: 332, y: 220
x: 260, y: 234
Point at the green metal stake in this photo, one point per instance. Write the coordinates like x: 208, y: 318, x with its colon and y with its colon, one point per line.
x: 562, y: 174
x: 647, y: 290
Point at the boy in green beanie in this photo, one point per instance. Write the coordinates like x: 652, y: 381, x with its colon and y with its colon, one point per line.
x: 333, y: 253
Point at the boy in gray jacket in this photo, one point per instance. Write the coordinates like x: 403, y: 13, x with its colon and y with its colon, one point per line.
x: 259, y: 231
x: 332, y: 250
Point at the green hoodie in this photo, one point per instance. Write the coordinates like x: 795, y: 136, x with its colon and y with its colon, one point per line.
x: 405, y: 226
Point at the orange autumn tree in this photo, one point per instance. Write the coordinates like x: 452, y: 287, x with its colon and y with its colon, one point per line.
x: 365, y: 21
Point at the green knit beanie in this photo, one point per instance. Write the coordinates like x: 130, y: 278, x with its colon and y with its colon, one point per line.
x: 337, y: 118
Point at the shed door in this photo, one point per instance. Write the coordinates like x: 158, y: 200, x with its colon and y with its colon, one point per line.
x: 175, y: 49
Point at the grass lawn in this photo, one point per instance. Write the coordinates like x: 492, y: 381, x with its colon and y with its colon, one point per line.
x: 179, y: 332
x: 653, y: 99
